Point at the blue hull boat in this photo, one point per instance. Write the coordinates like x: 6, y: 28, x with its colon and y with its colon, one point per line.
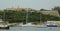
x: 51, y: 25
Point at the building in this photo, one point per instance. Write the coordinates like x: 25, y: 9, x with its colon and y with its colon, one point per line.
x: 50, y: 12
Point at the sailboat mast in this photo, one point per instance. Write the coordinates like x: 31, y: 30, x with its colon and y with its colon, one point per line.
x: 4, y: 15
x: 26, y: 15
x: 40, y: 17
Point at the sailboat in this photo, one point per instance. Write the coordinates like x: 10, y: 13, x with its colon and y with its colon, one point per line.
x: 30, y: 24
x: 3, y: 25
x: 26, y: 23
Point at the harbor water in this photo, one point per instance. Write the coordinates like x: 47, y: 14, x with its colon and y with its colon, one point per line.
x: 31, y: 28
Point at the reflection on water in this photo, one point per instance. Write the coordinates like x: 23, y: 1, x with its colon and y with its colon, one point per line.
x: 31, y: 28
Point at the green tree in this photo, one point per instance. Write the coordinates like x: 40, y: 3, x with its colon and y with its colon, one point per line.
x: 57, y: 8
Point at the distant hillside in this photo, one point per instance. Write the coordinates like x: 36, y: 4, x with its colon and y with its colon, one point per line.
x: 19, y: 15
x: 46, y: 12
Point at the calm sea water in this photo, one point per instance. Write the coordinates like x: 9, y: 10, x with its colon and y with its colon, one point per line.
x: 28, y: 28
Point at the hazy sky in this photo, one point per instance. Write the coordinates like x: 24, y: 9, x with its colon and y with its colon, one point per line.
x: 35, y: 4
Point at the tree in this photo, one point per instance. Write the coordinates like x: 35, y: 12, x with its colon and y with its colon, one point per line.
x: 43, y: 10
x: 57, y: 8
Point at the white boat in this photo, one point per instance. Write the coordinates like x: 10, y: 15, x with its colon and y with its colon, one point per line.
x: 3, y: 25
x: 28, y: 24
x: 51, y: 24
x: 32, y: 25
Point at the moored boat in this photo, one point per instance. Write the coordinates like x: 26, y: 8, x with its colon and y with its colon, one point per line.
x: 4, y: 25
x: 51, y: 24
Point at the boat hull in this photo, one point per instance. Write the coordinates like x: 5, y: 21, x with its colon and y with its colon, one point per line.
x: 51, y: 25
x: 4, y: 27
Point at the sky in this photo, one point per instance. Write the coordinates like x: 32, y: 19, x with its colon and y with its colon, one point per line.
x: 34, y: 4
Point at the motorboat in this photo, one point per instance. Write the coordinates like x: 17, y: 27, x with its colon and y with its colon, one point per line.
x: 51, y: 24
